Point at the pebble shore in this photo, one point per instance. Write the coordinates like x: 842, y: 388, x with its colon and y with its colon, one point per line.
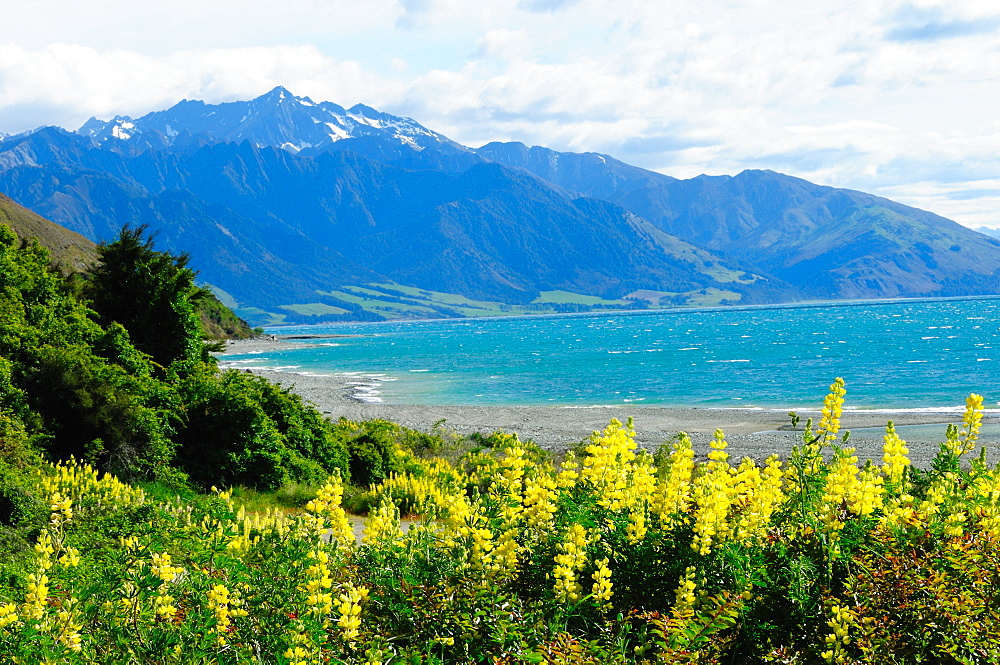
x: 754, y: 433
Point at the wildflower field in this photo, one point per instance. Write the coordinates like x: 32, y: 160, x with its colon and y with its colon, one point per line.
x: 608, y: 555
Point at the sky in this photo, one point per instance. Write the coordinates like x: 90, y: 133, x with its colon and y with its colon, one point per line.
x: 900, y: 98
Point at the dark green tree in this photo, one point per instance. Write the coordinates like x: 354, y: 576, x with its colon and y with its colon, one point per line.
x: 149, y: 292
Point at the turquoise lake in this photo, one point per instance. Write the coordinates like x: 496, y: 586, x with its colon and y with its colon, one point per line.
x: 913, y: 354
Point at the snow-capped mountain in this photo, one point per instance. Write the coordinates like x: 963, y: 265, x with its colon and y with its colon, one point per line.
x: 277, y: 119
x: 282, y: 200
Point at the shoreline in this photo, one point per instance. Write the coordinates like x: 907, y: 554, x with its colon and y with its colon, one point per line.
x: 751, y: 432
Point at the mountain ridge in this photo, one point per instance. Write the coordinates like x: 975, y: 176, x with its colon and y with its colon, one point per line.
x: 284, y: 201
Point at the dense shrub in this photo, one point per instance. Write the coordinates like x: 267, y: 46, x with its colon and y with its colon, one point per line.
x: 139, y: 396
x: 240, y: 429
x: 372, y: 446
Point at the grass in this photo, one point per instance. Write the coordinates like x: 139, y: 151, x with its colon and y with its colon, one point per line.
x: 710, y: 297
x: 652, y: 296
x: 260, y: 317
x: 287, y: 498
x: 568, y: 297
x: 438, y: 297
x: 314, y: 309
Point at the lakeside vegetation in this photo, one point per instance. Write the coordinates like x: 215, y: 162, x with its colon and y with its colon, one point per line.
x: 116, y: 545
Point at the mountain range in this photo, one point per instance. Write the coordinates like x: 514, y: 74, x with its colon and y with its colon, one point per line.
x: 295, y: 210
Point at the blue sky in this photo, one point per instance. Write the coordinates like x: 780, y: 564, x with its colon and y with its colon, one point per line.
x: 895, y: 97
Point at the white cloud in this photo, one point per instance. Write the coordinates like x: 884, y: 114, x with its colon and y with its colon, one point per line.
x: 75, y: 82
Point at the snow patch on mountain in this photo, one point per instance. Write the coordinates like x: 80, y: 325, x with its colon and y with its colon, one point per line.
x: 277, y: 119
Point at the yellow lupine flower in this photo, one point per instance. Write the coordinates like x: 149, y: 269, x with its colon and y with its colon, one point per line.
x: 70, y: 557
x: 44, y: 549
x: 382, y: 526
x: 37, y: 597
x: 218, y: 602
x: 8, y: 615
x: 69, y: 629
x: 539, y: 501
x: 416, y: 494
x: 164, y: 608
x: 61, y: 508
x: 349, y: 608
x: 895, y: 453
x: 758, y: 493
x: 935, y: 497
x: 684, y: 596
x: 987, y: 488
x: 318, y: 583
x: 571, y: 558
x: 601, y: 589
x: 898, y: 511
x: 842, y: 487
x: 639, y: 493
x: 482, y: 547
x: 68, y: 483
x: 712, y: 493
x: 954, y: 524
x: 568, y: 473
x: 833, y: 406
x: 673, y: 493
x: 607, y: 464
x: 868, y: 497
x: 841, y: 619
x: 328, y: 515
x: 636, y: 529
x: 971, y: 422
x: 163, y: 567
x: 502, y: 560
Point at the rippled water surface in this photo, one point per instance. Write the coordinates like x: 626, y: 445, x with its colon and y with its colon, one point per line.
x: 906, y: 354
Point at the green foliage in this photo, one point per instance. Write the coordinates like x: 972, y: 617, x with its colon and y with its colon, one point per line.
x: 23, y: 515
x: 239, y: 429
x: 372, y: 449
x: 126, y: 395
x: 75, y: 388
x: 20, y: 507
x: 151, y: 293
x: 97, y: 411
x: 924, y: 603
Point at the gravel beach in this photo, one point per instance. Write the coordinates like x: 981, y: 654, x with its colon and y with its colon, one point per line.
x: 754, y: 433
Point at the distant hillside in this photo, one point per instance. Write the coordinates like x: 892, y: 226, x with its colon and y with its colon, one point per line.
x: 70, y: 251
x: 827, y: 242
x: 303, y: 211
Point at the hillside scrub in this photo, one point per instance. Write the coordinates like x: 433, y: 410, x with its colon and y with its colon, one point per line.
x: 117, y: 374
x: 610, y: 556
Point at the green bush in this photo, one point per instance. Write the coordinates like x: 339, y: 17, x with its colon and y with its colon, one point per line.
x: 240, y: 429
x: 372, y: 447
x: 20, y: 508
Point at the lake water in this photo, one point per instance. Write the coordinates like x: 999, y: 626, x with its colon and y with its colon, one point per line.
x: 913, y: 354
